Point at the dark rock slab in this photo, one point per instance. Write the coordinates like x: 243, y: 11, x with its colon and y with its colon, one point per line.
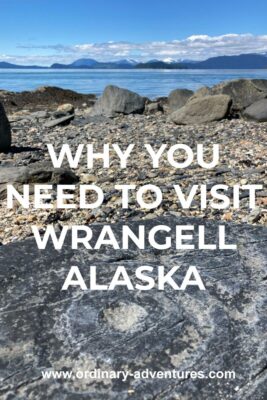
x: 221, y: 328
x: 5, y: 131
x: 59, y: 121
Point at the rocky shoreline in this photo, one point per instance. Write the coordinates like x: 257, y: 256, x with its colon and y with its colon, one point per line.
x: 123, y: 117
x: 220, y: 329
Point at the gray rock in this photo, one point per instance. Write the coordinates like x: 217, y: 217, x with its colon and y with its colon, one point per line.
x: 257, y: 111
x: 43, y: 328
x: 66, y: 108
x: 5, y: 131
x: 39, y: 172
x: 178, y: 98
x: 243, y: 92
x: 59, y: 121
x: 115, y: 100
x: 202, y: 110
x: 152, y: 108
x: 254, y: 216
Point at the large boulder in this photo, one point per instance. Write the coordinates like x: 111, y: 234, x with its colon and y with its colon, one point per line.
x: 257, y: 111
x: 178, y: 98
x: 243, y: 92
x: 46, y: 329
x: 5, y: 131
x: 115, y: 100
x: 40, y: 172
x: 202, y: 110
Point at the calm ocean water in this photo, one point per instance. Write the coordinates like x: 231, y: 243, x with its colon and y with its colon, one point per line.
x: 151, y: 83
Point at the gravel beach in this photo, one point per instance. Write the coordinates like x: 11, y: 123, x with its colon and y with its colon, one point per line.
x: 220, y: 328
x: 242, y: 161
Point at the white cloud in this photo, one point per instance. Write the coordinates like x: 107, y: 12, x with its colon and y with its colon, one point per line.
x: 195, y: 47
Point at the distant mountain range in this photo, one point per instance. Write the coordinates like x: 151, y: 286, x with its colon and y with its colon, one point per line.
x: 7, y: 65
x: 242, y: 61
x: 89, y: 63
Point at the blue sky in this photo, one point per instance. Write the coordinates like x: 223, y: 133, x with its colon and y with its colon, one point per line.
x: 45, y: 31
